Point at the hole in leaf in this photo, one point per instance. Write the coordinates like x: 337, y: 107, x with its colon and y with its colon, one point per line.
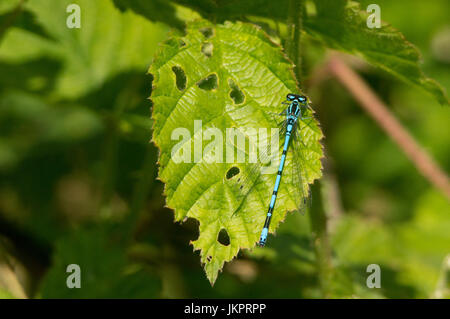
x: 207, y: 49
x: 223, y: 237
x: 209, y: 83
x: 180, y: 77
x: 209, y: 258
x: 233, y: 172
x: 207, y: 32
x: 182, y: 43
x: 236, y: 94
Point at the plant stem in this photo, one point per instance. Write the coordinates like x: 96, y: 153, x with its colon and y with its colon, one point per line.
x: 111, y: 148
x: 141, y: 190
x: 372, y: 104
x: 318, y: 218
x: 295, y: 26
x: 318, y: 221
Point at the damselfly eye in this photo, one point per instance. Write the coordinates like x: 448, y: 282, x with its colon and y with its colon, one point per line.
x: 302, y: 98
x: 290, y: 97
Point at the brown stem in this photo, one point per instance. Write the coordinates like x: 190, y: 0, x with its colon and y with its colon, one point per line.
x: 370, y: 102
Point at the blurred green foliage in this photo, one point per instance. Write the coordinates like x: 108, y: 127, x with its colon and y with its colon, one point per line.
x: 78, y: 176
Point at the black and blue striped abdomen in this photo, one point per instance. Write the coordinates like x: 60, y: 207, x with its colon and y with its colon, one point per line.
x: 291, y: 121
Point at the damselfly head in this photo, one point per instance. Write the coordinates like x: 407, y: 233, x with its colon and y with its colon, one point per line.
x: 301, y: 99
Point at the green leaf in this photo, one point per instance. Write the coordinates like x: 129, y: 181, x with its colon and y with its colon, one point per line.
x: 342, y: 25
x: 20, y: 18
x: 215, y: 10
x: 410, y: 254
x: 109, y: 42
x: 339, y: 24
x: 27, y: 122
x: 8, y: 5
x: 156, y: 10
x: 9, y: 11
x: 228, y: 76
x: 105, y: 271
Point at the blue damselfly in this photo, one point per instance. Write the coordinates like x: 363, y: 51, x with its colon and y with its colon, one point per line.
x: 295, y: 112
x: 253, y: 175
